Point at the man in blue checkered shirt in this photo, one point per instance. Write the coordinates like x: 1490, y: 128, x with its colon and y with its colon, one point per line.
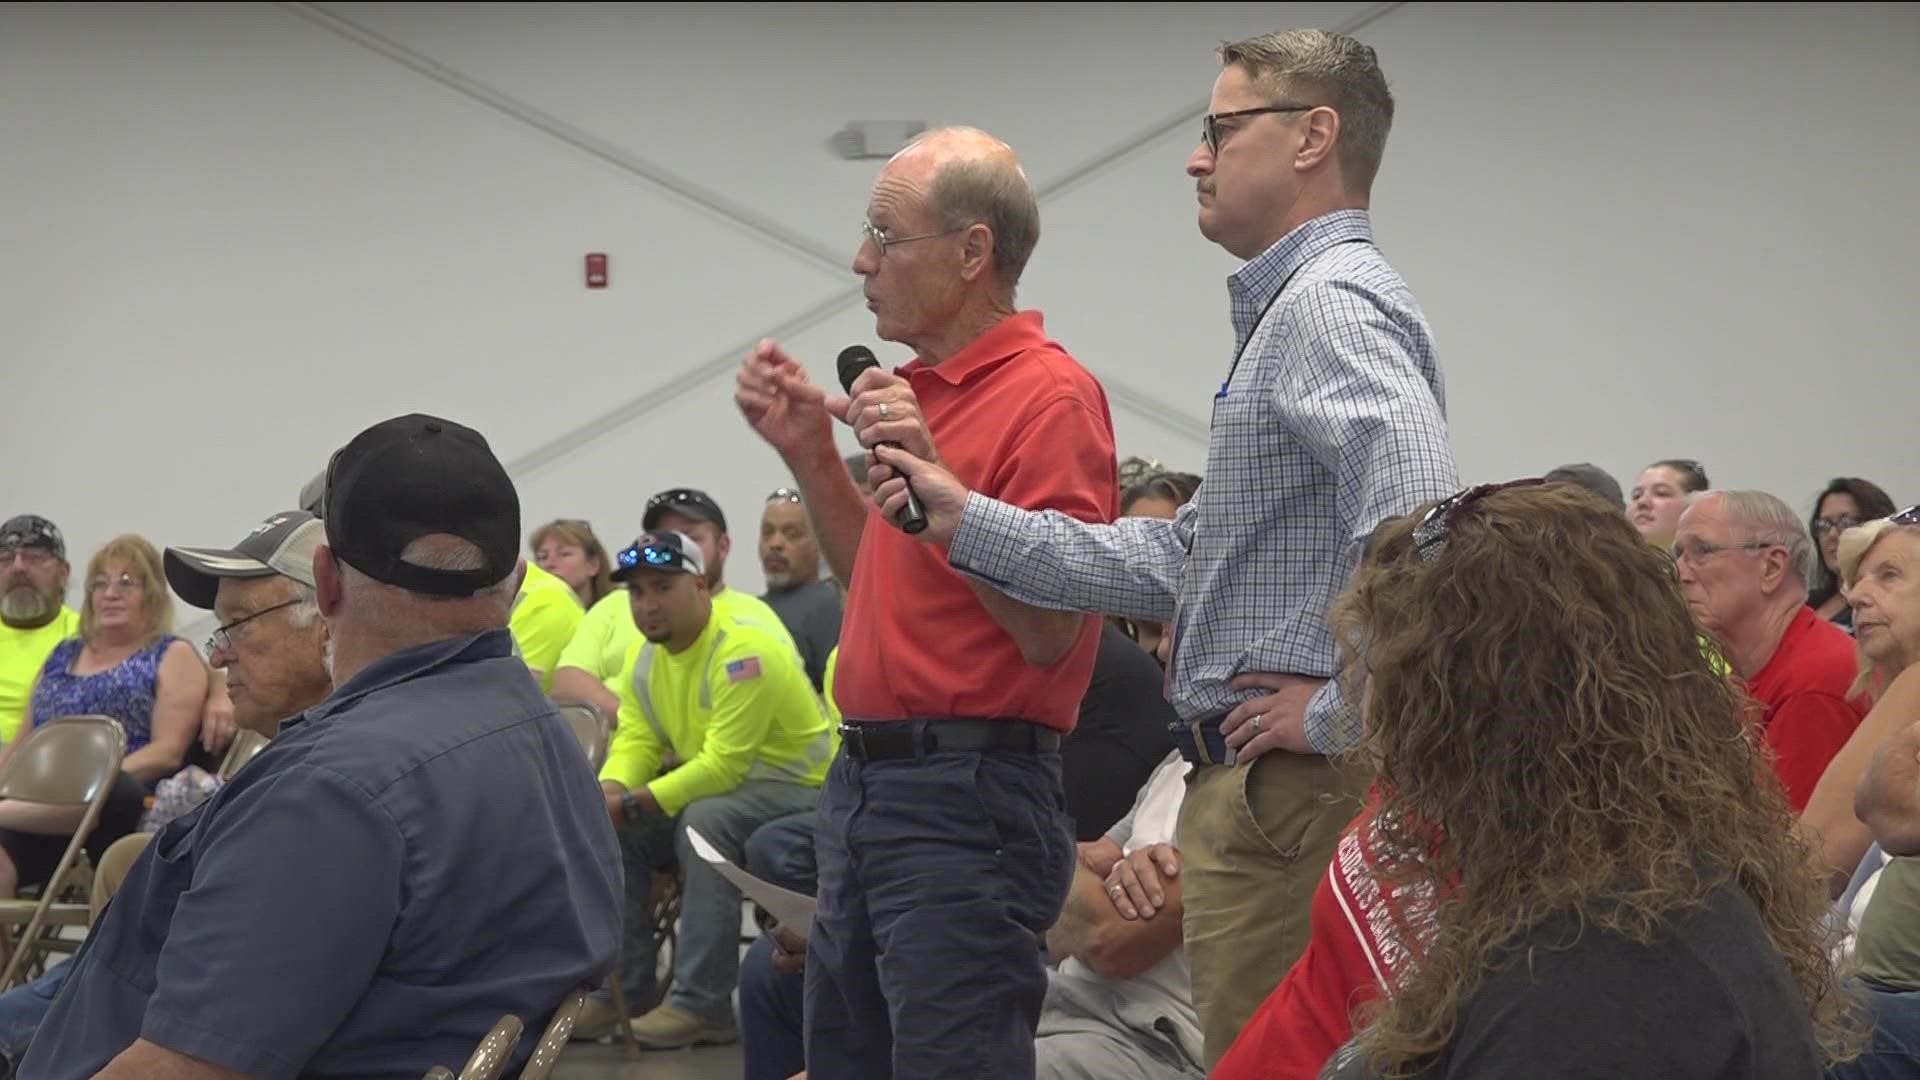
x: 1330, y: 419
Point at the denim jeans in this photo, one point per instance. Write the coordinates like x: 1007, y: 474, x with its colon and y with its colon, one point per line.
x: 24, y: 1007
x: 1894, y: 1053
x: 706, y: 962
x: 772, y: 1009
x: 937, y: 876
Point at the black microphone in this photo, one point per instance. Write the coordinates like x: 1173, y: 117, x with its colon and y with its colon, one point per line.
x: 855, y: 359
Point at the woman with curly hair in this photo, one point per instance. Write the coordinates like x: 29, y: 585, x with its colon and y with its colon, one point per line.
x: 1612, y: 894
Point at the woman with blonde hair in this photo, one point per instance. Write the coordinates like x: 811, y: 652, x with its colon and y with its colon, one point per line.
x: 1613, y: 892
x: 568, y: 549
x: 126, y: 664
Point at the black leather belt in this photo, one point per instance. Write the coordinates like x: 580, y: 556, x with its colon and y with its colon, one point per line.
x: 892, y: 740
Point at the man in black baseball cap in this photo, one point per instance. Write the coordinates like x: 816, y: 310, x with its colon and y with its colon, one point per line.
x: 416, y: 820
x: 692, y: 511
x: 33, y: 613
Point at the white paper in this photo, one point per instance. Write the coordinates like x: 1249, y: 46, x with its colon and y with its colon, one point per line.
x: 791, y: 909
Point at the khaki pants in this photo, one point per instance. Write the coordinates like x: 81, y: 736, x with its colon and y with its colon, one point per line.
x: 1254, y: 840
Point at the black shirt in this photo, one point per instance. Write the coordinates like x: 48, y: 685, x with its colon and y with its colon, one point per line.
x: 1709, y: 999
x: 811, y: 613
x: 1121, y: 735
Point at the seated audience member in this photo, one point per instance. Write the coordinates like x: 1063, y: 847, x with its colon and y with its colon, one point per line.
x: 1160, y: 495
x: 126, y: 664
x: 1744, y: 561
x: 1137, y: 470
x: 1521, y: 657
x: 591, y: 663
x: 34, y: 616
x: 725, y: 693
x: 807, y: 604
x: 1837, y: 832
x: 1881, y: 563
x: 1122, y: 733
x: 545, y: 616
x: 1587, y: 475
x: 1120, y: 1004
x: 1659, y: 496
x: 414, y: 857
x: 568, y: 549
x: 272, y: 645
x: 1846, y: 502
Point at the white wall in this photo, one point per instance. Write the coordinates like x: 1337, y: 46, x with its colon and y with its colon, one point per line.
x: 230, y: 237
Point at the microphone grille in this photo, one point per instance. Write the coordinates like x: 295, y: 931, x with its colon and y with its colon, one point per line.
x: 853, y: 360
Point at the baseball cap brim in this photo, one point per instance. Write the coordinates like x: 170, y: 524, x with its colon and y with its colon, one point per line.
x: 195, y: 573
x: 692, y: 511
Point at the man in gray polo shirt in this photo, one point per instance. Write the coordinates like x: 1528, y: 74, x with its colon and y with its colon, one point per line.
x: 424, y: 851
x: 807, y: 603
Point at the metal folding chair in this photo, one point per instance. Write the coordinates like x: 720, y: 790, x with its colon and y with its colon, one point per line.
x: 71, y: 761
x: 490, y: 1058
x: 554, y: 1039
x: 246, y: 743
x: 592, y: 728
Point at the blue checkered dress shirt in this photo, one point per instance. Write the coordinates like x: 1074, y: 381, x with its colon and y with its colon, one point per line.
x: 1332, y: 419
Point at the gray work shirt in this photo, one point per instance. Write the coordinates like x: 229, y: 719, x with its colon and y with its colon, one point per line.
x: 811, y: 613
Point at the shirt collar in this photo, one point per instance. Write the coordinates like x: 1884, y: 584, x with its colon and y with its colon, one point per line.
x: 411, y: 663
x: 1254, y: 284
x: 1006, y: 339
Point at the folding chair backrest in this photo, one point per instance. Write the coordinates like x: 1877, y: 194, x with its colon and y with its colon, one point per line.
x: 554, y: 1040
x: 593, y: 730
x: 490, y: 1058
x: 246, y: 743
x: 70, y: 761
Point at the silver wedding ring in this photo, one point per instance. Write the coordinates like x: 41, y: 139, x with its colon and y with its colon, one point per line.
x: 1256, y: 722
x: 884, y: 410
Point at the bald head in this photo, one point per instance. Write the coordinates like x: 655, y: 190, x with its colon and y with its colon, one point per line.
x: 965, y: 178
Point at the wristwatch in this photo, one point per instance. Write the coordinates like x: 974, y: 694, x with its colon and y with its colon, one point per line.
x: 630, y: 806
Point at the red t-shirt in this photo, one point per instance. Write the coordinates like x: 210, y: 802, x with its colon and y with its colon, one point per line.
x: 1808, y: 714
x: 1359, y: 941
x: 1016, y: 418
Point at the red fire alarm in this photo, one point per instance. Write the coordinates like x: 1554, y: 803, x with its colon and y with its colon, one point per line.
x: 596, y: 271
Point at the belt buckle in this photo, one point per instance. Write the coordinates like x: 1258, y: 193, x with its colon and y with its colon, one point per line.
x: 854, y: 735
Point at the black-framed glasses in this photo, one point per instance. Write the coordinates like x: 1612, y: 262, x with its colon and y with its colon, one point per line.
x: 650, y: 552
x: 881, y: 241
x: 31, y: 554
x: 1823, y: 526
x: 786, y: 494
x: 1210, y: 123
x: 1430, y: 536
x: 222, y: 637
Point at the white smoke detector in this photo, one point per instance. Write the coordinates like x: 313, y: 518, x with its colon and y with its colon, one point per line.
x: 874, y: 138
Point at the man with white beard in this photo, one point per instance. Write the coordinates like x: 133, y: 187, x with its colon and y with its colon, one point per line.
x: 34, y: 616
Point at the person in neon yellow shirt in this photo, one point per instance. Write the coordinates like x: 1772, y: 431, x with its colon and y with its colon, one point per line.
x: 590, y: 665
x: 729, y: 697
x: 33, y: 615
x: 546, y: 614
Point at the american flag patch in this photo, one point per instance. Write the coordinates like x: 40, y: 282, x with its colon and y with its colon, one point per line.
x: 742, y: 670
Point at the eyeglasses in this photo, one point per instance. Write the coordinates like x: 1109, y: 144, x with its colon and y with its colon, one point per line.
x: 33, y: 556
x: 652, y: 554
x: 1909, y: 516
x: 221, y: 640
x: 1699, y: 551
x: 1430, y: 536
x: 789, y: 494
x: 125, y: 583
x: 1210, y: 134
x: 1823, y: 526
x: 881, y: 240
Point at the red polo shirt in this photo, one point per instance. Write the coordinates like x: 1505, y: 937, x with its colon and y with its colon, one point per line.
x: 1808, y: 714
x: 1018, y: 419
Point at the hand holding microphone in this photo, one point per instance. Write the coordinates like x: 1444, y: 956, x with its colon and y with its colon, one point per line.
x: 873, y: 415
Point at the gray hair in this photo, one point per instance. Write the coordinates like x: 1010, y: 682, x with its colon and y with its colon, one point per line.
x: 306, y: 605
x: 1770, y: 520
x: 990, y: 190
x: 1333, y: 70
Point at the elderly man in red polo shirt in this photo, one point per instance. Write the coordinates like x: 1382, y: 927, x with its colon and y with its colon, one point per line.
x: 943, y: 845
x: 1744, y: 560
